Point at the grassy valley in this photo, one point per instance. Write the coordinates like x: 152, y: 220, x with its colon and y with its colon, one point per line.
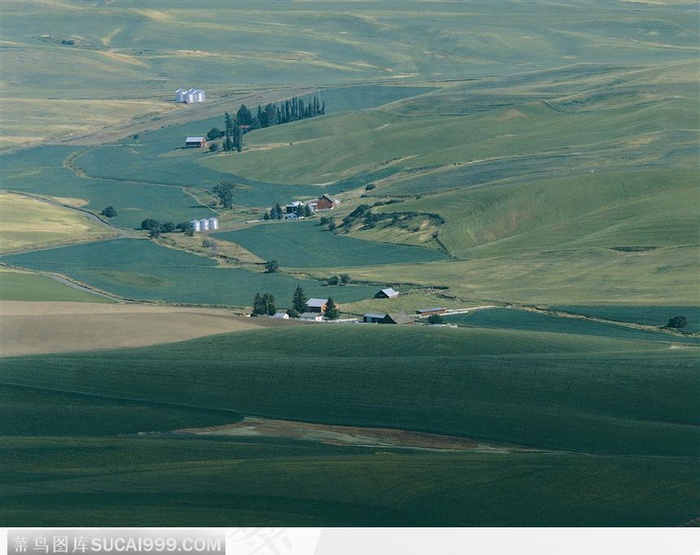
x: 532, y: 166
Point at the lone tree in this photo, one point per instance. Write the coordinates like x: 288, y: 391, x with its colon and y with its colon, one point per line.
x: 299, y: 300
x: 264, y: 304
x: 677, y: 322
x: 332, y: 312
x: 109, y: 212
x: 271, y: 266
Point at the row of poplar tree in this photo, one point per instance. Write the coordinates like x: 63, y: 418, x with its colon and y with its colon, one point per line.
x: 274, y: 113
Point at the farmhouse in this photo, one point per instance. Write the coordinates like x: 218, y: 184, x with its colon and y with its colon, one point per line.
x: 393, y: 318
x: 388, y: 293
x: 294, y: 207
x: 429, y: 311
x: 326, y: 202
x: 195, y: 142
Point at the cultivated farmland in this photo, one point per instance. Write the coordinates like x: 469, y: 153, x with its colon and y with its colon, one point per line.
x: 492, y: 154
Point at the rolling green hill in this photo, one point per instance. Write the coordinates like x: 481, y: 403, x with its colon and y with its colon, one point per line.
x: 609, y: 427
x: 532, y: 152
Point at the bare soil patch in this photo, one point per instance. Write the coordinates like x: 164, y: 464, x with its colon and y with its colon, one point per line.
x: 28, y: 328
x: 335, y: 435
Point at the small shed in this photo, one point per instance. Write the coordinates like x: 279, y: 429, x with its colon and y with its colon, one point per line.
x: 430, y: 311
x: 373, y: 317
x: 281, y: 315
x: 195, y: 142
x: 387, y: 293
x: 399, y: 318
x: 312, y: 316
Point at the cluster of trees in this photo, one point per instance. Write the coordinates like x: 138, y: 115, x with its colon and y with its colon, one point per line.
x: 277, y: 212
x: 274, y: 113
x: 155, y: 228
x: 264, y: 305
x: 342, y: 279
x: 224, y: 192
x: 109, y: 212
x: 277, y: 113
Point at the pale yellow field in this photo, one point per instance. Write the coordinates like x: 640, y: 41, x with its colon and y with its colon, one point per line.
x: 59, y: 327
x: 30, y: 223
x: 36, y: 120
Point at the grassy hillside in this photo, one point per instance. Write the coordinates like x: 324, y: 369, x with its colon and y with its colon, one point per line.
x: 545, y: 390
x: 137, y: 56
x: 127, y: 482
x: 609, y: 403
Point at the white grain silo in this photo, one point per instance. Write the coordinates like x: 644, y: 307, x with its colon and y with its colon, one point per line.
x: 204, y: 224
x: 196, y: 226
x: 199, y: 95
x: 180, y: 95
x: 213, y: 223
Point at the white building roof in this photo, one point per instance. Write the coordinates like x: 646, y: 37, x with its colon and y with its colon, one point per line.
x: 316, y: 302
x: 194, y: 139
x: 389, y: 292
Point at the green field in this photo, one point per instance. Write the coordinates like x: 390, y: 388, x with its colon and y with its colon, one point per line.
x: 142, y: 270
x: 647, y: 315
x: 308, y: 245
x: 503, y: 318
x: 622, y: 411
x: 26, y: 286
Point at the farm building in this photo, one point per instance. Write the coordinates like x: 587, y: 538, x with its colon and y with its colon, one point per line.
x: 318, y: 305
x: 190, y: 96
x: 281, y: 315
x: 205, y: 224
x: 195, y: 142
x: 312, y: 317
x: 429, y: 311
x: 388, y: 293
x: 393, y: 318
x: 326, y: 202
x: 293, y: 207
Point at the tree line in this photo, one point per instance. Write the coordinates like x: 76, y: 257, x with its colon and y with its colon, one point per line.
x: 274, y: 113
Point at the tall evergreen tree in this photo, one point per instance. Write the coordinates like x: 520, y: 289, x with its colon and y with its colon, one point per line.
x: 237, y: 140
x: 228, y: 133
x: 264, y: 304
x: 299, y: 300
x: 332, y: 312
x: 243, y: 116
